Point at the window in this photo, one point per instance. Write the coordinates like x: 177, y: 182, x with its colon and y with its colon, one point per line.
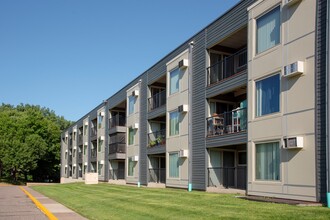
x: 268, y: 161
x: 85, y: 168
x: 74, y: 152
x: 85, y: 149
x: 174, y: 165
x: 268, y: 95
x: 174, y: 123
x: 85, y: 129
x: 99, y: 121
x: 131, y: 102
x: 131, y: 165
x: 268, y: 30
x: 66, y: 155
x: 174, y: 81
x: 130, y: 136
x: 242, y: 158
x: 99, y: 167
x: 100, y: 143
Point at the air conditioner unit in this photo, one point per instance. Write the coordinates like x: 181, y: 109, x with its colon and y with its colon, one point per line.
x: 75, y: 165
x: 290, y: 2
x: 135, y: 158
x: 135, y: 93
x: 293, y: 142
x: 102, y: 138
x: 66, y: 135
x: 66, y: 165
x: 86, y: 143
x: 102, y: 162
x: 183, y: 63
x: 75, y: 130
x: 183, y: 108
x: 294, y: 69
x: 74, y: 148
x: 66, y: 151
x: 135, y: 126
x: 102, y: 114
x: 85, y: 163
x: 183, y: 153
x: 86, y: 123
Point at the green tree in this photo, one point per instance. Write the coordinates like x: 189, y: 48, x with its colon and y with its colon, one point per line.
x: 30, y: 142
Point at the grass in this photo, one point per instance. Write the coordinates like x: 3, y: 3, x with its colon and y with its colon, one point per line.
x: 106, y: 201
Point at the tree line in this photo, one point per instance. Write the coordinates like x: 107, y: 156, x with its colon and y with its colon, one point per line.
x: 30, y: 143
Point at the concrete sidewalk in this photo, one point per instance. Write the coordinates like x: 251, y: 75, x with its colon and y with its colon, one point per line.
x: 14, y: 204
x: 58, y: 210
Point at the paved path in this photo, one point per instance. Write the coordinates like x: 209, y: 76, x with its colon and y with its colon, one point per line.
x: 14, y: 204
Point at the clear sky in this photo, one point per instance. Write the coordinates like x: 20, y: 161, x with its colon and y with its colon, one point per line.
x: 69, y: 55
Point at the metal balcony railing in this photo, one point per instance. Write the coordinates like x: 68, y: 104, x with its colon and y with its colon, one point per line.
x: 227, y: 122
x: 157, y: 175
x: 116, y: 174
x: 227, y: 67
x: 157, y: 100
x: 117, y: 120
x: 157, y: 138
x: 117, y: 148
x: 228, y: 177
x: 93, y: 132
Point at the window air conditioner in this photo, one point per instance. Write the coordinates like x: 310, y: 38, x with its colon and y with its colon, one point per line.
x: 102, y: 138
x: 135, y: 126
x: 85, y: 163
x: 102, y: 162
x: 86, y: 143
x: 183, y: 63
x: 135, y: 93
x: 135, y: 158
x: 293, y: 142
x: 86, y: 123
x: 290, y: 2
x: 183, y: 108
x: 183, y: 153
x: 294, y: 69
x: 102, y: 114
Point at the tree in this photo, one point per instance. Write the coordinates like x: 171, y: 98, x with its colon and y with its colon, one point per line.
x: 30, y: 142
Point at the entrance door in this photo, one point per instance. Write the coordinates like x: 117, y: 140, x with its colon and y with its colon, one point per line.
x: 229, y: 169
x: 121, y: 170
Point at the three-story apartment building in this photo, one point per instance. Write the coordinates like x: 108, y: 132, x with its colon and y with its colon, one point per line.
x: 242, y: 104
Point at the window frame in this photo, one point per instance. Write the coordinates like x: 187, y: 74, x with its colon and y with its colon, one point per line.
x: 131, y: 131
x: 169, y: 165
x: 178, y: 125
x: 178, y: 82
x: 256, y: 112
x: 279, y: 161
x: 130, y: 161
x: 276, y: 7
x: 131, y: 106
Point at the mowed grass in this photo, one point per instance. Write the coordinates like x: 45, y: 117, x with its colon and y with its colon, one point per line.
x: 106, y: 201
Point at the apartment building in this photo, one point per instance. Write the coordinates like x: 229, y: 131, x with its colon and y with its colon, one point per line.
x: 242, y: 104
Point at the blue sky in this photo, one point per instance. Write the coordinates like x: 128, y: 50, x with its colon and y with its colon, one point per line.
x: 69, y: 55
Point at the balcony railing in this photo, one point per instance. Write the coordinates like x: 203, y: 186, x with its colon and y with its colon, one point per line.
x: 157, y: 138
x: 117, y: 148
x: 227, y: 122
x: 157, y: 175
x: 93, y: 154
x: 80, y: 173
x: 116, y: 174
x: 228, y: 177
x: 117, y: 120
x: 157, y: 100
x: 80, y: 139
x: 227, y: 67
x: 93, y: 132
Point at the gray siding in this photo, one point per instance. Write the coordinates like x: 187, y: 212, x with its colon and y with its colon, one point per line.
x: 320, y: 101
x: 156, y: 150
x: 198, y: 113
x: 143, y: 130
x: 157, y: 112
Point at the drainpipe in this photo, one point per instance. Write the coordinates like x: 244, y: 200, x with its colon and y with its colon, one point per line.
x: 139, y: 130
x: 327, y: 106
x: 191, y: 46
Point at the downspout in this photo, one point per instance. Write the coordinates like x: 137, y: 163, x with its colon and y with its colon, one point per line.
x: 191, y: 46
x: 327, y: 106
x: 139, y: 130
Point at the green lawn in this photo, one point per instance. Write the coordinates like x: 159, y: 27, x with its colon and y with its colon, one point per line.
x: 106, y: 201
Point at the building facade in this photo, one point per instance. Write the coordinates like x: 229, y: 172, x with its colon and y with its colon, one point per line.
x: 240, y: 105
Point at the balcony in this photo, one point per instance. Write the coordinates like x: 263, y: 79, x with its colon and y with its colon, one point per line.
x: 117, y: 148
x: 117, y: 120
x: 227, y: 67
x: 157, y: 138
x: 93, y: 155
x: 227, y: 123
x: 79, y: 157
x: 157, y: 175
x: 80, y: 140
x: 116, y: 174
x: 93, y: 133
x: 157, y: 100
x: 228, y: 177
